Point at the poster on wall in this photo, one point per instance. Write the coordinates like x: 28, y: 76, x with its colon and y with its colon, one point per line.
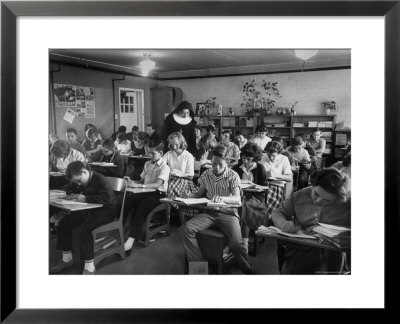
x: 64, y: 96
x: 90, y: 109
x: 80, y: 99
x: 69, y: 115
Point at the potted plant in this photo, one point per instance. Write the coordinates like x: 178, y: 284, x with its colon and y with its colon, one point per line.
x: 329, y: 106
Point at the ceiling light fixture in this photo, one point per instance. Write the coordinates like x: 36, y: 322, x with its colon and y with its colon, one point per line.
x: 305, y: 54
x: 147, y: 65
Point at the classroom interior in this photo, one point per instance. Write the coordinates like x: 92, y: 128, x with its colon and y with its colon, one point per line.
x: 285, y: 93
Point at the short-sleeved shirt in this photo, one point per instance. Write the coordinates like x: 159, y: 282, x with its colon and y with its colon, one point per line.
x: 248, y: 175
x: 89, y: 146
x: 124, y: 147
x: 301, y: 155
x: 184, y: 162
x: 281, y: 165
x: 152, y: 171
x: 219, y: 185
x: 318, y: 146
x: 261, y: 142
x: 233, y: 152
x: 61, y: 164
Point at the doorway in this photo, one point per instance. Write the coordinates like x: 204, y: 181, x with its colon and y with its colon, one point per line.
x: 131, y: 112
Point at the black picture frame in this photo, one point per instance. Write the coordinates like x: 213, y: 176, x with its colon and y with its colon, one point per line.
x: 11, y: 10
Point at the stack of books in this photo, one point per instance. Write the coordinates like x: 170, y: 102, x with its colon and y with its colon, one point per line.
x: 312, y: 124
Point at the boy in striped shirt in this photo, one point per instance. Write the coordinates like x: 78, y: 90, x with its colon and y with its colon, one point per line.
x: 221, y: 184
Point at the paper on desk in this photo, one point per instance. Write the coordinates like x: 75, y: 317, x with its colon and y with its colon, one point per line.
x: 330, y: 230
x: 180, y: 174
x: 66, y: 202
x: 276, y: 230
x: 193, y: 201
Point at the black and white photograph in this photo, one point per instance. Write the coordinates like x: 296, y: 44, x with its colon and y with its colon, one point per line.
x: 192, y: 158
x: 233, y: 162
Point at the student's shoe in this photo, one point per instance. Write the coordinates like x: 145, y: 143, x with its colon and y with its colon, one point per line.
x: 87, y: 272
x: 128, y: 252
x: 61, y: 265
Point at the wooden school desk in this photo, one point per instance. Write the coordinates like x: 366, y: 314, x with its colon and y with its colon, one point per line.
x: 74, y: 207
x: 319, y: 243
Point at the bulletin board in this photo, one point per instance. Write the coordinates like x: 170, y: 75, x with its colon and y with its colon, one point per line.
x: 78, y: 100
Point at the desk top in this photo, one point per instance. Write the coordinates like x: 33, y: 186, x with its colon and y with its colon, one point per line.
x: 195, y: 206
x: 104, y: 165
x: 303, y: 241
x: 75, y: 207
x: 140, y: 190
x: 57, y: 174
x: 140, y: 157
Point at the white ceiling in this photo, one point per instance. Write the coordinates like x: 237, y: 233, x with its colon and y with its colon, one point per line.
x: 183, y: 63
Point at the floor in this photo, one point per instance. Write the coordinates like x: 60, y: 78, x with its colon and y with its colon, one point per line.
x: 166, y: 256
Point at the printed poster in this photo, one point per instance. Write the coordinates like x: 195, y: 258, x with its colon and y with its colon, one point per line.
x: 81, y: 99
x: 69, y: 115
x: 64, y: 96
x: 90, y: 110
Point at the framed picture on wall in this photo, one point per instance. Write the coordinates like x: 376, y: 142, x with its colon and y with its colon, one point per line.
x: 31, y: 270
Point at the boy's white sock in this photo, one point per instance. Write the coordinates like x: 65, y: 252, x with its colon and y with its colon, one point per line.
x: 67, y: 256
x: 89, y: 265
x: 129, y: 243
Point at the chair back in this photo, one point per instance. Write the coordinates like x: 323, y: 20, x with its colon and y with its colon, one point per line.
x: 119, y: 185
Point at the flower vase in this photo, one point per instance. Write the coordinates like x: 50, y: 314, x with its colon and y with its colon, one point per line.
x: 328, y: 111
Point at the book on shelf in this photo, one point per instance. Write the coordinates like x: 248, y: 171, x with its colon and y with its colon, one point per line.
x: 322, y: 124
x: 232, y: 122
x: 280, y: 125
x: 225, y: 121
x: 329, y: 124
x: 312, y: 124
x: 341, y: 139
x: 249, y: 122
x: 298, y: 125
x: 242, y: 121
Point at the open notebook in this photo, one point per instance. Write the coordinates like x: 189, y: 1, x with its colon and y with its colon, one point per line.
x: 276, y: 230
x: 203, y: 201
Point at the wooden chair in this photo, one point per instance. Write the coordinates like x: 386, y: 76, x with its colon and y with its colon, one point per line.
x: 212, y: 244
x: 116, y: 227
x: 149, y: 229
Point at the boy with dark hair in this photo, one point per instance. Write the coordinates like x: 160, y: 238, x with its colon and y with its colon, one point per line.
x: 109, y: 154
x: 92, y: 142
x: 91, y: 187
x: 72, y: 137
x: 152, y: 133
x: 155, y: 175
x: 221, y: 184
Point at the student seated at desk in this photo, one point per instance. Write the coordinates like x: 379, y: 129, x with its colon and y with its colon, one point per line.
x: 72, y: 137
x: 301, y: 159
x: 253, y: 171
x: 142, y: 146
x: 121, y: 129
x: 261, y: 138
x: 277, y: 165
x: 91, y: 142
x: 109, y: 154
x: 344, y: 166
x: 155, y: 175
x: 122, y: 144
x: 326, y: 201
x: 62, y: 155
x: 221, y: 184
x: 179, y: 159
x: 153, y: 136
x: 233, y: 152
x: 87, y: 126
x: 91, y: 187
x: 204, y: 154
